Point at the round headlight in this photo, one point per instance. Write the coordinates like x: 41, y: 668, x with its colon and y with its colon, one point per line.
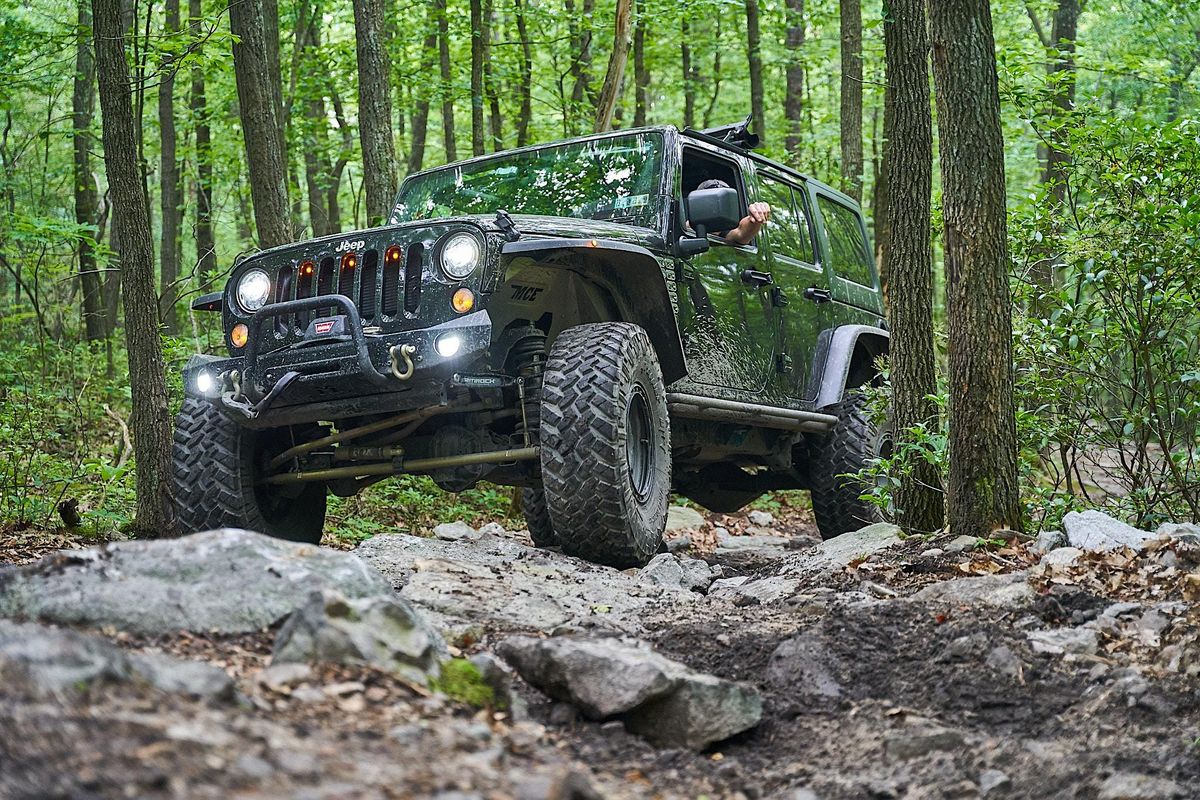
x: 253, y: 290
x: 460, y: 255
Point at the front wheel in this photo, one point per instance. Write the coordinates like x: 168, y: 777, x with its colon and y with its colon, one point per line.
x: 216, y: 464
x: 853, y: 444
x: 605, y: 444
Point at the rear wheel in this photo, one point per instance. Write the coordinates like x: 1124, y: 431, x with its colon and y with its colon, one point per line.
x: 853, y: 444
x: 605, y: 444
x: 216, y: 465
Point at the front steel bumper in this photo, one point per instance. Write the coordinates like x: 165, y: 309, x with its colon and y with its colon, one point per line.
x: 350, y: 373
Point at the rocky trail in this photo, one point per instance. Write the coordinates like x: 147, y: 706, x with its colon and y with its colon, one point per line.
x: 751, y: 661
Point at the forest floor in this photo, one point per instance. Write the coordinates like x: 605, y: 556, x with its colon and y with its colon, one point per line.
x: 895, y: 668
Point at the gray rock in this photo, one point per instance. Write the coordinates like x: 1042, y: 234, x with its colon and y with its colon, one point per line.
x: 175, y: 676
x: 763, y: 590
x: 921, y: 740
x: 492, y: 529
x: 1064, y: 640
x: 801, y: 666
x: 727, y: 541
x: 672, y: 572
x: 834, y: 555
x: 932, y: 552
x: 228, y: 581
x: 681, y: 518
x: 49, y: 662
x: 655, y: 696
x: 281, y: 676
x: 1005, y: 661
x: 1062, y: 556
x: 453, y: 531
x: 1133, y: 786
x: 961, y: 544
x: 764, y: 518
x: 501, y: 582
x: 1095, y: 530
x: 1049, y: 540
x: 1007, y: 590
x: 679, y: 544
x: 600, y: 677
x: 702, y: 710
x: 500, y: 678
x: 382, y: 632
x: 993, y: 781
x: 1184, y: 531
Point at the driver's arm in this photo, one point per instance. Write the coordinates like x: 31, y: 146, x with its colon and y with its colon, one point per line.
x: 751, y: 224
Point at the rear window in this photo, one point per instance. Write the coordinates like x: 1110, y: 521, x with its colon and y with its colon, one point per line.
x: 847, y: 244
x: 788, y: 229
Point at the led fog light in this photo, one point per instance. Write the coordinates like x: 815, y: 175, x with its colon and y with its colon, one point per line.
x: 448, y: 345
x: 205, y: 383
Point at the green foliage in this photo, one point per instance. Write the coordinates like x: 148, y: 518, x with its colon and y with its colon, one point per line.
x: 462, y: 681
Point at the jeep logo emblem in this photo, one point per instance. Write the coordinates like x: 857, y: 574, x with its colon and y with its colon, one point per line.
x: 344, y: 247
x: 526, y: 294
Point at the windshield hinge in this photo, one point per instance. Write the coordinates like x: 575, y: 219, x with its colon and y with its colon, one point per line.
x: 506, y: 225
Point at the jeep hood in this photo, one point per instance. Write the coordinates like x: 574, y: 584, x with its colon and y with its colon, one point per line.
x: 571, y: 227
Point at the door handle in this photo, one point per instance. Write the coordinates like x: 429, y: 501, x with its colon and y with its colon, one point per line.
x: 818, y: 295
x: 756, y: 278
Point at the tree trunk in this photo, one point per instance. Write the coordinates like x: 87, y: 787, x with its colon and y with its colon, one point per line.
x: 447, y: 91
x: 478, y: 33
x: 581, y: 50
x: 641, y: 75
x: 495, y: 120
x: 82, y: 108
x: 131, y: 224
x: 206, y: 256
x: 420, y: 117
x: 881, y: 197
x: 375, y: 109
x: 615, y: 74
x: 754, y: 52
x: 261, y: 128
x: 270, y: 14
x: 908, y: 131
x: 982, y: 495
x: 169, y: 188
x: 852, y: 80
x: 314, y: 122
x: 793, y: 102
x: 525, y: 85
x: 689, y: 72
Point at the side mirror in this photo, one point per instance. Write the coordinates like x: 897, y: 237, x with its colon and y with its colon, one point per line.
x: 714, y: 209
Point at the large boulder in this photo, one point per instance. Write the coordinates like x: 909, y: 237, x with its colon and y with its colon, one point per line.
x: 226, y: 581
x: 834, y: 555
x: 383, y: 632
x: 1095, y: 530
x: 673, y: 572
x: 49, y: 662
x: 1005, y: 590
x: 656, y: 697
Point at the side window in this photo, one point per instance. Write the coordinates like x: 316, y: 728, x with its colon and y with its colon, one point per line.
x: 788, y: 229
x: 849, y: 256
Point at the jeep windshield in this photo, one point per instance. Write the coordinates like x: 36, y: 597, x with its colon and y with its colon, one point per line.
x: 614, y: 178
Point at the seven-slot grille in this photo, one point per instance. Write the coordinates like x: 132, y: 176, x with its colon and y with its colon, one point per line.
x: 379, y: 282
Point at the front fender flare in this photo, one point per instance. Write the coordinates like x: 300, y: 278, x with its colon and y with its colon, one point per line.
x: 631, y: 274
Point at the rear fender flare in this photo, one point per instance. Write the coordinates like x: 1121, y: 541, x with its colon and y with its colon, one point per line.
x: 848, y: 352
x: 630, y: 274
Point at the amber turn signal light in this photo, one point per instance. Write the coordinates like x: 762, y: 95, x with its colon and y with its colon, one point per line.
x: 463, y: 300
x: 239, y: 335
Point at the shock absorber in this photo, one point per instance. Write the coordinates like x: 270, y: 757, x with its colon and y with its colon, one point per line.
x: 527, y: 358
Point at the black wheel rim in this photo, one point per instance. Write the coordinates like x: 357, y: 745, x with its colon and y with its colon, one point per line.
x: 639, y: 445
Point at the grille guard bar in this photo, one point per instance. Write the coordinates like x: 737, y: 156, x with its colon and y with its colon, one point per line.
x: 354, y: 323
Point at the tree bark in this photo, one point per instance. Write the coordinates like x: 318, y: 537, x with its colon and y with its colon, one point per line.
x: 581, y: 50
x: 851, y: 112
x: 490, y: 90
x: 982, y: 494
x: 447, y: 91
x: 793, y: 102
x: 150, y: 419
x: 615, y: 74
x: 206, y: 254
x: 477, y: 45
x: 908, y: 132
x: 375, y: 109
x: 754, y: 53
x: 689, y: 71
x: 525, y: 86
x: 257, y: 90
x: 420, y: 117
x: 641, y: 75
x: 82, y: 108
x: 169, y: 185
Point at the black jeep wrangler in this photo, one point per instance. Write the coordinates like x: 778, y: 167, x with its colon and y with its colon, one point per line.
x: 565, y: 318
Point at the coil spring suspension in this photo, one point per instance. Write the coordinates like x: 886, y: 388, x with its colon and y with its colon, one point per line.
x: 528, y: 359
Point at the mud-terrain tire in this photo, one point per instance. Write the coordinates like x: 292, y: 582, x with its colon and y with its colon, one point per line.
x: 605, y: 444
x: 215, y: 464
x: 853, y: 443
x: 537, y: 517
